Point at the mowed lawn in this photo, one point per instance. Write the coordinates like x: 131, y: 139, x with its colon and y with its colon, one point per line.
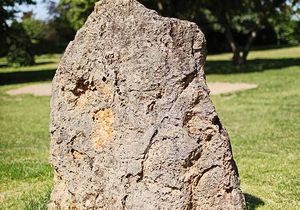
x: 263, y: 123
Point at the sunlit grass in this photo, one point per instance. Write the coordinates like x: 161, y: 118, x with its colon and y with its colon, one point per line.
x: 25, y: 173
x: 264, y: 126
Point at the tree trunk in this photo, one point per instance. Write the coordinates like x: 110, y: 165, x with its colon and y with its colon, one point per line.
x: 237, y: 59
x: 239, y: 54
x: 160, y: 5
x: 250, y: 40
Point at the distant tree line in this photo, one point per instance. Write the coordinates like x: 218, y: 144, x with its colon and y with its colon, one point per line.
x: 237, y: 24
x: 14, y: 42
x: 21, y: 39
x: 229, y: 25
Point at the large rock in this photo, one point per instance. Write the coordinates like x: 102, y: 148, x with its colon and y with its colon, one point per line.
x: 132, y: 124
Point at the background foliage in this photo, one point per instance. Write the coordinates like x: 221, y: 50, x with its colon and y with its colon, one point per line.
x: 229, y: 25
x: 19, y: 50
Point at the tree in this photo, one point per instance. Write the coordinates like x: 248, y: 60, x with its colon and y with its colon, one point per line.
x: 35, y: 29
x: 287, y: 24
x: 19, y: 50
x: 7, y: 13
x: 60, y: 29
x: 245, y: 17
x: 76, y: 11
x: 230, y: 17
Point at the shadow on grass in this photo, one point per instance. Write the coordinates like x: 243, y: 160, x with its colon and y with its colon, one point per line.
x: 256, y: 65
x: 5, y: 65
x: 43, y: 63
x: 253, y: 202
x: 26, y: 76
x: 211, y: 67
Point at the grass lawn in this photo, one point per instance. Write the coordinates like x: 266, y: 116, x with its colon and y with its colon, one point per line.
x: 264, y: 125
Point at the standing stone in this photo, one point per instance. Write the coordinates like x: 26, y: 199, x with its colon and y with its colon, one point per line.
x: 132, y: 124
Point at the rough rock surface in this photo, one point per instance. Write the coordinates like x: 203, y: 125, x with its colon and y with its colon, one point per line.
x: 132, y: 124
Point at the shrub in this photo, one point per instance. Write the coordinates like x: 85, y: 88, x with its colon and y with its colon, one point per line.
x: 19, y: 50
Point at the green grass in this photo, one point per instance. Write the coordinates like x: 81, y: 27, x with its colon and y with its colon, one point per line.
x: 263, y: 123
x: 25, y: 174
x: 264, y: 126
x: 43, y: 70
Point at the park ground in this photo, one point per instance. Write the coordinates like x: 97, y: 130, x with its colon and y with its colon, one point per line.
x: 263, y: 123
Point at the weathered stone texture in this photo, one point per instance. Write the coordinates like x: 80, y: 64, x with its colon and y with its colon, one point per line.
x: 132, y: 124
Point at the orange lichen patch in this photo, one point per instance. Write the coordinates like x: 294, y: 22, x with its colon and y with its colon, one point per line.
x: 69, y: 96
x: 84, y: 99
x: 105, y: 89
x: 77, y: 155
x: 77, y: 101
x: 73, y: 206
x: 103, y: 128
x: 84, y: 95
x: 192, y: 121
x: 199, y: 127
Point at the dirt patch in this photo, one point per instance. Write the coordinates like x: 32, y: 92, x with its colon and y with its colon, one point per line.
x: 215, y: 88
x: 38, y: 90
x: 220, y: 87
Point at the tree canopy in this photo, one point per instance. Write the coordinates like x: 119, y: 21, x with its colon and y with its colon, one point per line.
x: 228, y: 24
x: 8, y: 33
x: 229, y: 17
x: 76, y: 11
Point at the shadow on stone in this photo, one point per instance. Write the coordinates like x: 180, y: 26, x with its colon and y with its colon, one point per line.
x: 253, y: 202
